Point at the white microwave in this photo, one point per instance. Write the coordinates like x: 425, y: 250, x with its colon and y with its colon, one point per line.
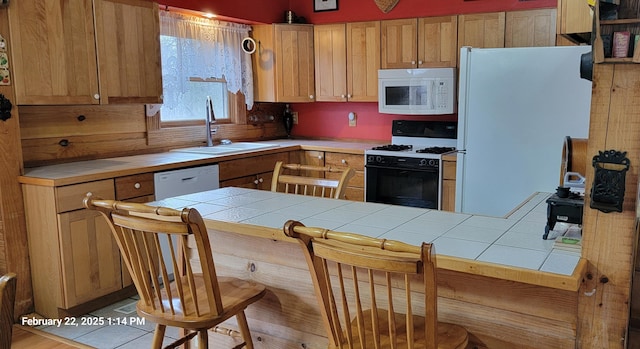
x: 416, y: 91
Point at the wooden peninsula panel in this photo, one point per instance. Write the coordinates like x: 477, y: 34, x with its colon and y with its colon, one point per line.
x: 498, y: 313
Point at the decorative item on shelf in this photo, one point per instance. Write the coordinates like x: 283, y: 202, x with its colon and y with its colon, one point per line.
x: 607, y: 191
x: 386, y: 5
x: 5, y: 108
x: 620, y: 44
x: 288, y: 120
x: 325, y: 5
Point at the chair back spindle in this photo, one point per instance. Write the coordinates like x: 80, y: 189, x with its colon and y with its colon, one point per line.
x: 323, y: 181
x: 368, y: 290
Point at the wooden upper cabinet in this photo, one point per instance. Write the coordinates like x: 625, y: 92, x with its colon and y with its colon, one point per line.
x: 363, y: 61
x: 77, y: 61
x: 330, y: 62
x: 347, y: 59
x: 294, y: 63
x: 128, y: 41
x: 574, y: 17
x: 530, y: 28
x: 428, y: 42
x: 399, y: 41
x: 437, y: 42
x: 54, y: 55
x: 283, y: 66
x: 482, y: 30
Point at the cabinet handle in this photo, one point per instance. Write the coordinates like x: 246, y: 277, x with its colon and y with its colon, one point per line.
x: 320, y: 157
x: 344, y: 162
x: 419, y: 62
x: 255, y: 182
x: 64, y: 142
x: 137, y: 186
x: 81, y: 118
x: 260, y: 180
x: 349, y: 95
x: 310, y: 96
x: 342, y: 96
x: 96, y: 96
x: 413, y: 62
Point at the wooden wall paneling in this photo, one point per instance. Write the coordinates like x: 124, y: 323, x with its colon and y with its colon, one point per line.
x: 609, y: 239
x: 14, y: 249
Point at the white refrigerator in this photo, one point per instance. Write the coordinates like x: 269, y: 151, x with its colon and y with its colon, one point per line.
x: 515, y: 108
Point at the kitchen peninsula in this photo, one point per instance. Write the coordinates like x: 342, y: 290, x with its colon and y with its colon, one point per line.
x: 496, y: 276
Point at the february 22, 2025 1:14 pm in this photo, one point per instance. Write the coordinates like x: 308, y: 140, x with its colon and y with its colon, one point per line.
x: 82, y: 321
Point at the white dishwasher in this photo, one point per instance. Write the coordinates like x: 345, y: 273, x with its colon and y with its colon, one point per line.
x: 186, y: 181
x: 181, y: 182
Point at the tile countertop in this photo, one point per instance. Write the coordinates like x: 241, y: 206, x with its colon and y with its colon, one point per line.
x: 509, y: 248
x: 90, y: 170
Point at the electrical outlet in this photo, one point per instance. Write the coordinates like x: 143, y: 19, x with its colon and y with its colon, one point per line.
x: 295, y: 117
x: 352, y: 119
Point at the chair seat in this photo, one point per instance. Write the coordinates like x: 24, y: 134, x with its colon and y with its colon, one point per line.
x: 236, y: 294
x: 450, y: 336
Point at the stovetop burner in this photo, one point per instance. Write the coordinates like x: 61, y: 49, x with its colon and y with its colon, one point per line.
x: 393, y: 147
x: 436, y: 150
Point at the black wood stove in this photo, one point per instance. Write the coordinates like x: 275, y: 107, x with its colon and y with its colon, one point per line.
x: 563, y: 209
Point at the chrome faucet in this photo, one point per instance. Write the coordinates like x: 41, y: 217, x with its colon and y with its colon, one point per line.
x: 209, y: 120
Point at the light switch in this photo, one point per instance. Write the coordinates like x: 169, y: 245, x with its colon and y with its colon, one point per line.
x: 352, y: 119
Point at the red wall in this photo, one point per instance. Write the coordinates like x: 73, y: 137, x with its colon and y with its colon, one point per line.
x: 326, y: 119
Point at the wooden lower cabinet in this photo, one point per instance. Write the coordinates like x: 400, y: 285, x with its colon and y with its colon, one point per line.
x: 355, y: 187
x: 449, y: 184
x: 75, y: 262
x: 90, y: 257
x: 253, y: 172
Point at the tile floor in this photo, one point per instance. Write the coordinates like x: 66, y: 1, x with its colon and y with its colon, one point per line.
x: 136, y: 333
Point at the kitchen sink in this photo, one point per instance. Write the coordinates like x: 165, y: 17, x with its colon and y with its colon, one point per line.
x: 228, y: 148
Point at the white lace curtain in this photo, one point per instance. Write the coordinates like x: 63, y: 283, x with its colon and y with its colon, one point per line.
x: 204, y: 48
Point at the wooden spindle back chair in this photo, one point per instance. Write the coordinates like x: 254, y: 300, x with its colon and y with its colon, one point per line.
x: 291, y: 178
x: 375, y: 293
x: 194, y: 301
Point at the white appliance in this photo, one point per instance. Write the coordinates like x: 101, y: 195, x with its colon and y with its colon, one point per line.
x: 186, y: 181
x: 417, y: 91
x: 515, y: 108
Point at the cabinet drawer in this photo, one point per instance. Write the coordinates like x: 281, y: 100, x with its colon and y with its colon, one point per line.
x: 355, y: 161
x: 449, y: 170
x: 134, y: 186
x: 69, y: 198
x: 357, y: 181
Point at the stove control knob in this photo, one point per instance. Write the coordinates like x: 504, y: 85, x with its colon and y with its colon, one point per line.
x: 370, y: 159
x: 432, y: 162
x: 378, y: 158
x: 423, y: 162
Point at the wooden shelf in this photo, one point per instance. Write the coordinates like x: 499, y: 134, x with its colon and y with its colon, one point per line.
x: 620, y: 21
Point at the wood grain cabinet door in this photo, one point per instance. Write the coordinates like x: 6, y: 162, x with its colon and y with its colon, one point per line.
x: 294, y: 63
x: 399, y: 43
x: 481, y: 30
x: 330, y: 62
x: 437, y: 42
x: 90, y: 257
x: 54, y: 54
x: 363, y: 61
x: 128, y: 41
x: 530, y: 28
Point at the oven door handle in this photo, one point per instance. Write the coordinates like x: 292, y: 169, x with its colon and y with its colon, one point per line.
x: 430, y: 169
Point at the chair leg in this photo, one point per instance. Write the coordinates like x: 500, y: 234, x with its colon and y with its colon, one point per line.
x: 158, y: 336
x: 244, y: 329
x: 203, y: 339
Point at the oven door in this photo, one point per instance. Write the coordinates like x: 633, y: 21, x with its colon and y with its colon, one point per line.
x: 404, y: 187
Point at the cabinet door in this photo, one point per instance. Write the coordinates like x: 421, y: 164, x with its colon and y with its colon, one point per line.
x: 575, y: 16
x: 294, y: 63
x: 482, y: 30
x: 128, y: 41
x: 437, y: 42
x: 363, y: 61
x: 54, y: 54
x: 530, y: 28
x: 399, y: 43
x: 330, y: 62
x: 90, y: 257
x: 355, y: 187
